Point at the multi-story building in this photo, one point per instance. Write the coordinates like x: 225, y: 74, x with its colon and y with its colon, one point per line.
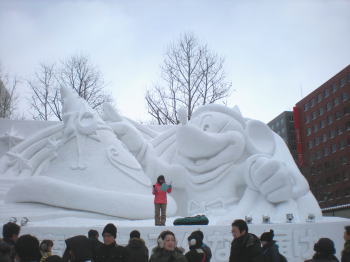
x: 283, y: 125
x: 322, y: 125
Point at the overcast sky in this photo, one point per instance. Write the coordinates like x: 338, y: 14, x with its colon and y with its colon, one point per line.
x: 275, y: 51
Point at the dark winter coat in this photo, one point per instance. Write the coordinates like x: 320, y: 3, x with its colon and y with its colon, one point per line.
x: 196, y: 255
x: 207, y: 251
x: 80, y: 246
x: 162, y: 255
x: 271, y: 253
x: 5, y: 252
x: 246, y: 248
x: 345, y: 255
x: 111, y: 253
x: 95, y: 245
x: 137, y: 250
x: 11, y: 244
x: 323, y: 258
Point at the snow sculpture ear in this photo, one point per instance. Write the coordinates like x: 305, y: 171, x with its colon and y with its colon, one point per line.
x: 260, y: 139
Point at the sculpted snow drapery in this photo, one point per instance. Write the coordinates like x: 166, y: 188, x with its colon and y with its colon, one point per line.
x: 220, y: 164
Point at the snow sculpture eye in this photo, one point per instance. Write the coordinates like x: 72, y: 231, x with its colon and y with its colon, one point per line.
x: 206, y: 127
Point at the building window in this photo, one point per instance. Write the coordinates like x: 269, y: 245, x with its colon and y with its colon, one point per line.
x: 307, y: 119
x: 348, y: 126
x: 321, y: 111
x: 336, y: 101
x: 315, y: 128
x: 323, y: 123
x: 326, y: 151
x: 326, y: 92
x: 308, y: 130
x: 345, y: 96
x: 334, y: 87
x: 306, y: 107
x: 314, y: 115
x: 334, y: 148
x: 338, y: 115
x: 311, y: 144
x: 340, y: 130
x: 312, y: 102
x: 332, y: 133
x: 342, y: 82
x: 319, y: 154
x: 319, y: 98
x: 324, y: 137
x: 330, y: 120
x: 317, y: 140
x: 346, y: 110
x: 329, y: 106
x: 342, y: 144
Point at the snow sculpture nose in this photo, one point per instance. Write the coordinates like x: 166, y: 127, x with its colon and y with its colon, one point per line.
x: 195, y: 143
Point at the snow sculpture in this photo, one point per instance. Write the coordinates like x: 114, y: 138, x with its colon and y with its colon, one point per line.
x: 80, y: 165
x: 226, y: 164
x: 220, y: 163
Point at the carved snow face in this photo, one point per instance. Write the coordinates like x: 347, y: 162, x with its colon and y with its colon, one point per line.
x: 209, y: 144
x: 214, y: 141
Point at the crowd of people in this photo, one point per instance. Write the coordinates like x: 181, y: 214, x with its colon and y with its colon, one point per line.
x: 245, y: 247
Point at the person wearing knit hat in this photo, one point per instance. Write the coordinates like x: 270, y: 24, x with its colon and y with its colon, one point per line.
x: 27, y: 249
x: 110, y: 251
x: 325, y: 251
x: 270, y: 249
x: 137, y: 250
x: 196, y: 252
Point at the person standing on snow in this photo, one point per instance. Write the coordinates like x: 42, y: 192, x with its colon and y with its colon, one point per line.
x: 160, y: 190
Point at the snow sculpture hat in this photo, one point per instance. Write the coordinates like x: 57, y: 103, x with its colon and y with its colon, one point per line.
x: 110, y: 229
x: 233, y: 112
x: 267, y: 236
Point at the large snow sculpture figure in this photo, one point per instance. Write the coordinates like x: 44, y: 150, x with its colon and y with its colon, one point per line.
x: 228, y: 165
x: 81, y: 165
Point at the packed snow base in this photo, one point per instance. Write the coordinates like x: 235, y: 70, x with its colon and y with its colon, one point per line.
x: 220, y: 164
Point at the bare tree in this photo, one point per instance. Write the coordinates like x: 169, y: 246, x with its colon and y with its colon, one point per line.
x: 8, y: 97
x: 44, y: 94
x: 75, y: 72
x: 191, y: 76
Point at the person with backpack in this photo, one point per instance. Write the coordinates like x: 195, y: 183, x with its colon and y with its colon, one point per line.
x: 270, y: 249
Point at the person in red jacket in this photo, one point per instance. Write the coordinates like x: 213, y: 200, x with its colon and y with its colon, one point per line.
x: 160, y: 190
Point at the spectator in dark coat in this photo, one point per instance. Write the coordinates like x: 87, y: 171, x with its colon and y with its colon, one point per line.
x: 10, y: 233
x: 196, y: 253
x: 245, y: 246
x: 5, y: 252
x: 270, y: 249
x: 78, y: 249
x: 325, y: 251
x: 27, y: 249
x: 45, y: 249
x: 110, y: 251
x: 345, y: 254
x: 206, y: 248
x: 136, y: 248
x: 95, y: 243
x: 166, y: 249
x: 54, y: 259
